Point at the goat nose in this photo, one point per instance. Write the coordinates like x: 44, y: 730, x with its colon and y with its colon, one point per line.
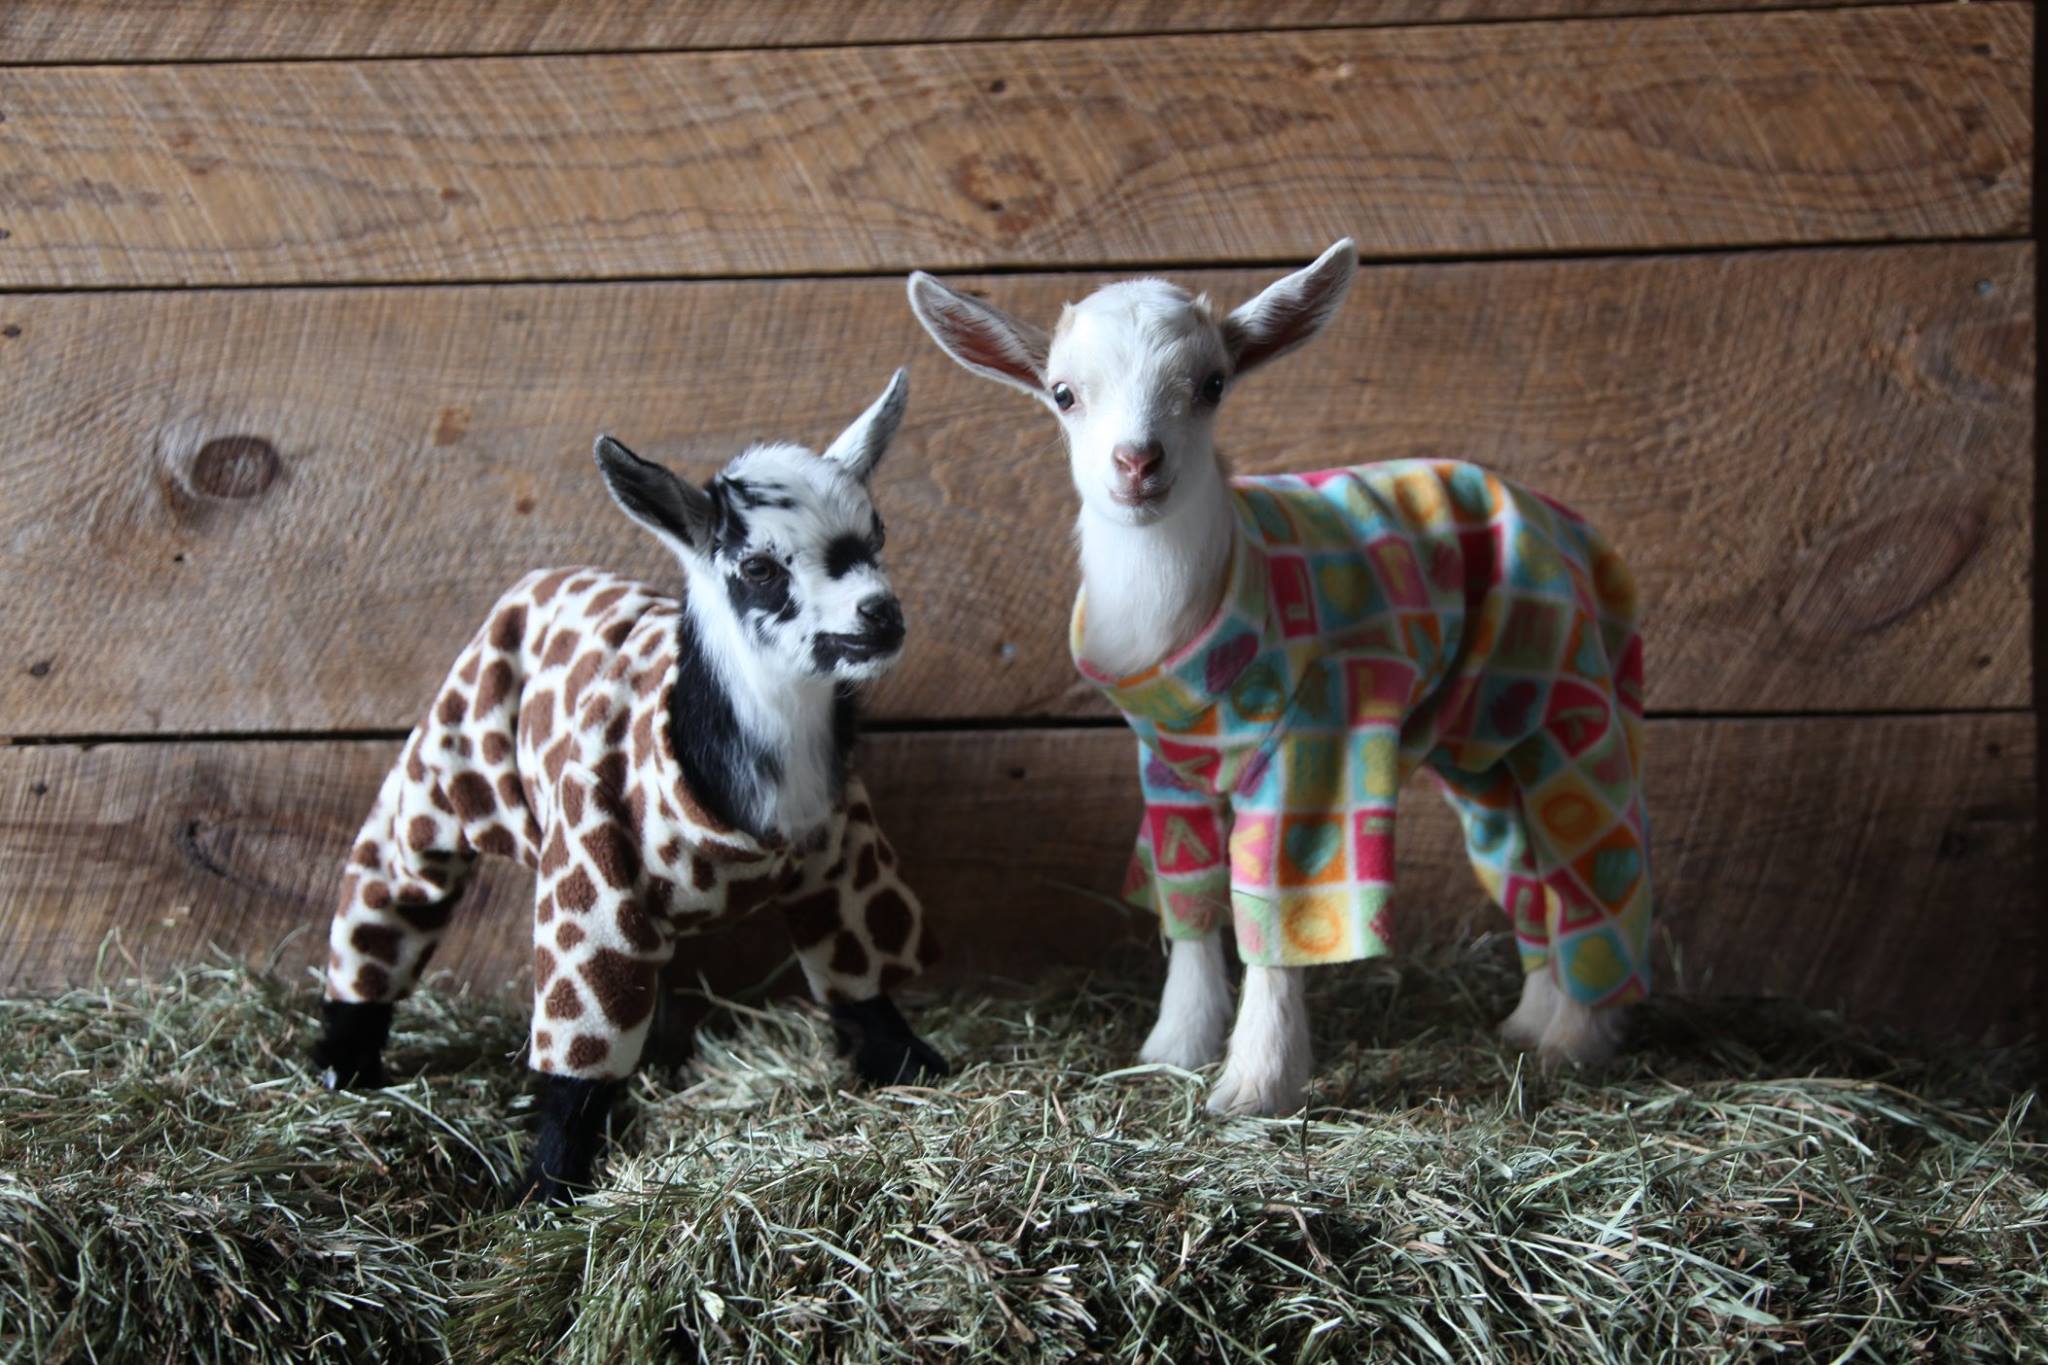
x: 1135, y: 462
x: 881, y: 612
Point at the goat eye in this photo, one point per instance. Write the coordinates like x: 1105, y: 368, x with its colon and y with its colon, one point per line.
x: 759, y: 568
x: 1212, y: 388
x: 1062, y: 397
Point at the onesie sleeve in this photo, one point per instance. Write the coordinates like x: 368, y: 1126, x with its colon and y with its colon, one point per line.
x: 1180, y: 868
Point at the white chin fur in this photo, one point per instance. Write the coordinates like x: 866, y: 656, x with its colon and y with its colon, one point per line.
x: 867, y: 670
x: 1559, y: 1029
x: 1270, y: 1058
x: 1194, y: 1009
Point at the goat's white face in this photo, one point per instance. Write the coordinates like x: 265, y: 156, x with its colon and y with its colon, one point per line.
x: 788, y: 541
x: 1135, y: 372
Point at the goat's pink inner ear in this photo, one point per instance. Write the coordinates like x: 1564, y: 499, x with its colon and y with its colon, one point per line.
x: 977, y: 347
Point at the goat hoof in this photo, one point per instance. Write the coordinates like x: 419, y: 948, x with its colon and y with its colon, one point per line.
x: 1243, y: 1092
x: 883, y: 1049
x: 898, y: 1061
x: 359, y: 1077
x: 538, y: 1190
x: 1579, y: 1037
x: 1187, y: 1046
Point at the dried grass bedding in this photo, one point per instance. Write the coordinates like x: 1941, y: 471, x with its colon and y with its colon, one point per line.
x: 1757, y: 1181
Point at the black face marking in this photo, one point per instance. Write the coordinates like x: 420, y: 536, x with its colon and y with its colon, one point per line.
x: 756, y: 604
x: 846, y: 553
x: 750, y: 494
x: 729, y: 523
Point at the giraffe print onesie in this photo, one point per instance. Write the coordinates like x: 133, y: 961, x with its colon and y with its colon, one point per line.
x: 550, y: 743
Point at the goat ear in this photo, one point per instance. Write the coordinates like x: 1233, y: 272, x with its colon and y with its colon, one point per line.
x: 980, y: 336
x: 859, y: 448
x: 677, y: 511
x: 1288, y: 312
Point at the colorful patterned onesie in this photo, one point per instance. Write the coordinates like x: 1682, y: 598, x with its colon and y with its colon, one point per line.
x: 550, y: 744
x: 1378, y: 619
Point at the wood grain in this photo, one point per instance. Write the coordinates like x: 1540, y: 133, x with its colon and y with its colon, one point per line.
x: 179, y: 30
x: 284, y: 510
x: 1880, y: 864
x: 1600, y: 135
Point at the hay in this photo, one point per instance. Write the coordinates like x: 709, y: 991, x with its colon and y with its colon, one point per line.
x: 1756, y: 1181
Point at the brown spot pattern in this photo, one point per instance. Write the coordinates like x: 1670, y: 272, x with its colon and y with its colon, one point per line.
x: 848, y: 957
x: 509, y: 626
x: 576, y: 891
x: 623, y: 985
x: 546, y: 588
x: 568, y: 935
x: 543, y: 967
x: 889, y: 920
x: 497, y: 747
x: 472, y: 795
x: 588, y: 1050
x: 372, y: 981
x: 561, y: 648
x: 812, y: 918
x: 580, y: 676
x: 428, y: 919
x: 537, y: 718
x: 563, y: 1002
x: 613, y: 854
x: 493, y: 689
x: 376, y: 940
x: 637, y: 928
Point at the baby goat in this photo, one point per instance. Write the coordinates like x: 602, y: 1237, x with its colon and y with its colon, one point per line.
x: 1289, y: 648
x: 660, y: 765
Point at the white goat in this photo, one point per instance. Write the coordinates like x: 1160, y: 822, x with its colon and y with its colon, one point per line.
x: 1289, y: 648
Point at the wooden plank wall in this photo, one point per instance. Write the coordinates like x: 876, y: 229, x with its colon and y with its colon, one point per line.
x: 308, y: 313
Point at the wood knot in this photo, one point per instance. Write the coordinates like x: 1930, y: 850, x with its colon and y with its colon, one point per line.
x: 1010, y: 187
x: 1884, y: 568
x: 234, y: 467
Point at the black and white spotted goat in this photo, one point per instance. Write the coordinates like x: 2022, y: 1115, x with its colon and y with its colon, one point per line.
x: 660, y: 764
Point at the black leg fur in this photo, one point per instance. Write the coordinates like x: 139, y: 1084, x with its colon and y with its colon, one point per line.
x: 572, y: 1114
x: 350, y: 1053
x: 884, y: 1050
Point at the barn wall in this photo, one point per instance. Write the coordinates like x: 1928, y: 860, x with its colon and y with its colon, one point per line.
x: 310, y: 312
